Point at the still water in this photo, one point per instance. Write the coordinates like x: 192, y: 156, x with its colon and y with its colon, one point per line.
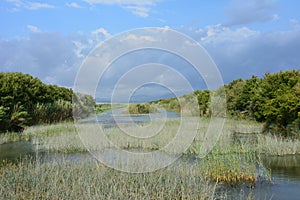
x: 118, y: 117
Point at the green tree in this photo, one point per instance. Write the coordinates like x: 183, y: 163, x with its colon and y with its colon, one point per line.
x: 247, y: 100
x: 280, y: 100
x: 26, y: 101
x: 233, y: 91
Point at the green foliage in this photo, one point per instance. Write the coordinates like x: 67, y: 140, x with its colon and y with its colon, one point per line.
x: 100, y: 108
x: 26, y: 101
x: 274, y: 99
x: 248, y: 98
x: 83, y: 105
x: 233, y: 90
x: 144, y: 108
x: 280, y: 100
x: 203, y: 101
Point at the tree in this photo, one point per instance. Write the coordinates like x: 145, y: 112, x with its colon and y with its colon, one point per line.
x: 26, y: 101
x: 247, y: 99
x: 280, y: 100
x: 233, y: 91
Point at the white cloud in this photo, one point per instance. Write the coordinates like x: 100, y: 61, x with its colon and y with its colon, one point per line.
x: 138, y: 10
x: 101, y: 32
x: 79, y: 48
x: 242, y: 52
x: 138, y: 7
x: 33, y: 29
x: 73, y: 5
x: 37, y: 5
x: 134, y: 37
x: 23, y: 4
x: 238, y: 52
x: 219, y: 33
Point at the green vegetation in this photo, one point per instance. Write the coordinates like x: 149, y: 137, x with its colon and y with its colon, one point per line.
x: 100, y: 108
x: 232, y: 163
x: 144, y: 108
x: 63, y: 137
x: 35, y: 180
x: 273, y: 99
x: 234, y: 168
x: 26, y: 101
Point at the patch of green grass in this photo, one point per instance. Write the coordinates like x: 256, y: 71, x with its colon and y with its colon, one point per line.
x: 51, y: 129
x: 277, y: 146
x: 143, y: 108
x: 235, y: 168
x: 34, y: 180
x: 13, y: 137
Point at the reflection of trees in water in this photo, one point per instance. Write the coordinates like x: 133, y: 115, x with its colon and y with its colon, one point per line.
x: 288, y: 166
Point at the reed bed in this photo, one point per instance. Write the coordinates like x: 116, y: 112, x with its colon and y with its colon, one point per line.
x: 235, y: 168
x: 229, y: 161
x: 13, y: 137
x: 63, y: 137
x: 35, y: 180
x: 277, y: 146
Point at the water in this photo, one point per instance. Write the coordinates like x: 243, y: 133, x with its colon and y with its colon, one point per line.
x: 14, y: 151
x: 285, y: 170
x: 117, y: 117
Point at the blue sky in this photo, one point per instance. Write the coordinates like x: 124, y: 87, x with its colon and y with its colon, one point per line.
x: 49, y: 39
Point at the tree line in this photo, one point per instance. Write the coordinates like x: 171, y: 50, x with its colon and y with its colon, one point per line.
x: 26, y: 101
x: 273, y: 99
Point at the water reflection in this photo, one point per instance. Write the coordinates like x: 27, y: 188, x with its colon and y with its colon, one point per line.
x: 113, y: 118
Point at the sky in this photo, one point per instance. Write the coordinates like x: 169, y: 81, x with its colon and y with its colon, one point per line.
x: 50, y: 39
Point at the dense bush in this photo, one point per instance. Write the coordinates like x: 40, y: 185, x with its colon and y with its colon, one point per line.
x: 273, y: 99
x: 144, y: 108
x: 26, y: 101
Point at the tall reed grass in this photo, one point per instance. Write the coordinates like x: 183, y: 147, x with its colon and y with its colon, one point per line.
x: 34, y: 180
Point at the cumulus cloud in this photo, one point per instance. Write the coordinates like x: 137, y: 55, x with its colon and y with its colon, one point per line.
x: 238, y: 52
x: 138, y: 7
x: 243, y: 52
x: 247, y: 12
x: 48, y: 56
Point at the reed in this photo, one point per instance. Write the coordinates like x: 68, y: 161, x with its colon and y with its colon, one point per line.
x: 13, y: 137
x: 35, y: 180
x: 234, y: 168
x: 277, y: 145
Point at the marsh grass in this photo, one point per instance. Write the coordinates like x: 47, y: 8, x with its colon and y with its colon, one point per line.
x: 34, y: 180
x: 278, y: 146
x: 33, y: 132
x: 235, y: 168
x: 51, y: 129
x: 13, y: 137
x: 229, y: 162
x: 63, y: 137
x: 66, y: 143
